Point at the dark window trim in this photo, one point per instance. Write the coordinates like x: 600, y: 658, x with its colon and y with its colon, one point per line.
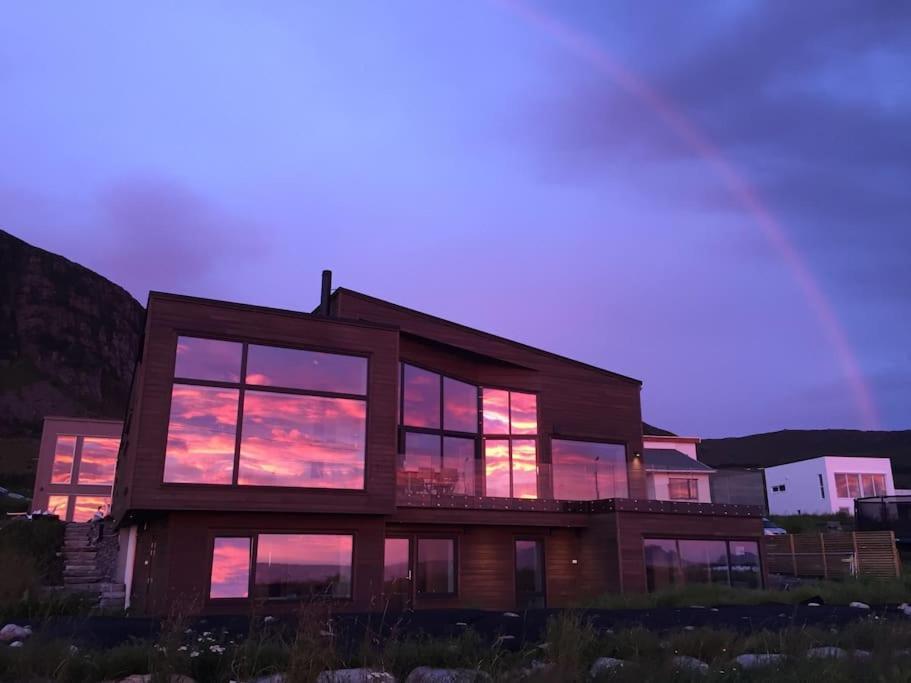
x: 727, y: 540
x: 540, y: 538
x: 456, y: 569
x: 211, y: 564
x: 692, y: 487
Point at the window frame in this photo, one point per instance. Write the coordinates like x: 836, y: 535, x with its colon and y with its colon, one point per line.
x: 590, y: 440
x: 242, y: 386
x: 728, y: 540
x: 251, y: 538
x: 510, y: 438
x: 692, y: 486
x: 416, y: 540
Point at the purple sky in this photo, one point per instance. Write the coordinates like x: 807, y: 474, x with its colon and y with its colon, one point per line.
x: 505, y: 166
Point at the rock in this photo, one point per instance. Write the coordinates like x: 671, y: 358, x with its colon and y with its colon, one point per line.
x: 859, y: 605
x: 272, y: 678
x: 751, y: 661
x: 690, y: 664
x: 536, y: 668
x: 862, y: 654
x: 906, y: 610
x: 828, y: 652
x: 511, y: 614
x: 355, y: 676
x: 604, y: 665
x: 14, y: 632
x: 426, y: 674
x: 812, y: 604
x: 816, y: 601
x: 16, y: 643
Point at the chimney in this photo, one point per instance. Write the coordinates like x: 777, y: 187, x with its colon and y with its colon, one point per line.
x: 324, y: 294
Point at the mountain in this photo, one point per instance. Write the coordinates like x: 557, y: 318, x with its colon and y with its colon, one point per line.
x: 68, y: 343
x: 775, y: 448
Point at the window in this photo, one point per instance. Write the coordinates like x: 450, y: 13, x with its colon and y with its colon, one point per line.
x: 421, y: 404
x: 296, y: 566
x: 510, y: 457
x: 822, y: 488
x: 856, y: 485
x: 460, y: 406
x: 778, y: 489
x: 682, y: 489
x: 85, y: 507
x: 230, y: 568
x: 586, y: 470
x: 64, y: 455
x: 670, y: 562
x: 98, y: 460
x: 435, y: 573
x: 57, y: 505
x: 303, y: 416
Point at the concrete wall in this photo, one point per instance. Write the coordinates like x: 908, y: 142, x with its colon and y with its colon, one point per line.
x: 810, y: 484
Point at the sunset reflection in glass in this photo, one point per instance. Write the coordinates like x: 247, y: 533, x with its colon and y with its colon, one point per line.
x: 523, y: 413
x: 303, y: 565
x: 98, y: 460
x: 208, y: 359
x: 303, y: 441
x: 421, y: 404
x: 310, y: 370
x: 460, y: 406
x: 496, y: 468
x: 587, y: 470
x: 496, y: 411
x: 524, y: 469
x: 201, y: 435
x: 230, y: 568
x: 85, y: 507
x: 64, y: 454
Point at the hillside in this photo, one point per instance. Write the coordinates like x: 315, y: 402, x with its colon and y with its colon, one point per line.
x: 68, y: 343
x: 775, y: 448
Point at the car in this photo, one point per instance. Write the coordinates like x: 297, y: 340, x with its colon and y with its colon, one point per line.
x: 769, y: 528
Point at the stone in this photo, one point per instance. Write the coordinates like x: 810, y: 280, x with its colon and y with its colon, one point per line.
x: 859, y: 605
x: 813, y: 604
x: 426, y: 674
x: 827, y: 652
x: 511, y: 614
x: 534, y: 669
x: 862, y: 654
x: 271, y: 678
x: 685, y: 663
x: 16, y: 643
x: 754, y: 661
x: 355, y: 676
x: 147, y: 678
x: 14, y: 632
x: 604, y: 665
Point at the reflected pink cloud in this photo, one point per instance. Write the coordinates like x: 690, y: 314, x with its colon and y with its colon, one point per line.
x: 460, y: 406
x: 585, y: 470
x: 86, y: 506
x: 495, y: 403
x: 524, y: 413
x: 230, y: 568
x: 64, y: 453
x: 57, y: 505
x: 299, y: 565
x: 98, y: 460
x: 524, y: 469
x: 421, y: 398
x: 201, y: 435
x: 209, y: 359
x: 307, y: 441
x: 496, y: 468
x: 310, y: 370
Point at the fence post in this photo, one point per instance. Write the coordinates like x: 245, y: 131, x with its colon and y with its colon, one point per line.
x: 822, y: 550
x: 856, y: 554
x: 793, y: 553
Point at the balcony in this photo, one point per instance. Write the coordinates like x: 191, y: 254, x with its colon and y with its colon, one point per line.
x: 525, y: 488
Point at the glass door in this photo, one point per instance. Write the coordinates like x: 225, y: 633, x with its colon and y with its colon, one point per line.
x: 397, y: 578
x: 530, y: 573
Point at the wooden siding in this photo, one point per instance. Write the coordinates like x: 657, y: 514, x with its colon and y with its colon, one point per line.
x: 872, y: 553
x: 141, y: 487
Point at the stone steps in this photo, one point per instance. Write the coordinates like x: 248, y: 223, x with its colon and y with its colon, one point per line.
x: 81, y: 573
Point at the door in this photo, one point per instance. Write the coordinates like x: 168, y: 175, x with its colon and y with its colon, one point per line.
x: 530, y: 573
x: 397, y: 578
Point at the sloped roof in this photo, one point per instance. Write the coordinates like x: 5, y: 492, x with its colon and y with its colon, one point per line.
x: 671, y: 460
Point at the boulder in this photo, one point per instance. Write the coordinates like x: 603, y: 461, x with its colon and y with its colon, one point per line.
x: 16, y: 643
x: 355, y: 676
x: 604, y: 665
x: 827, y: 652
x: 684, y: 663
x: 536, y: 668
x: 426, y: 674
x: 14, y: 632
x: 752, y: 661
x: 859, y: 605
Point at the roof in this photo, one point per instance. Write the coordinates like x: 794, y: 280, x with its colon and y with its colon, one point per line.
x: 672, y: 460
x: 472, y: 330
x: 836, y: 458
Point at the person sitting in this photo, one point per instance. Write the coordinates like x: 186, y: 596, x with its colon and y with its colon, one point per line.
x: 97, y: 525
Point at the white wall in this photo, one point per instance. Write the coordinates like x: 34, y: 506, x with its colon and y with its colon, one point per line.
x: 657, y: 483
x: 802, y: 494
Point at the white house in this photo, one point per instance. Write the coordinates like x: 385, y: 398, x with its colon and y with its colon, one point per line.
x: 672, y: 470
x: 826, y: 485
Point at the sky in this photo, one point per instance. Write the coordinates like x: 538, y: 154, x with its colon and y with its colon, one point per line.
x: 710, y: 197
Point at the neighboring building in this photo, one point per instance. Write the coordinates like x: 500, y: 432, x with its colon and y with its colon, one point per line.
x: 739, y: 486
x: 826, y: 485
x: 375, y: 456
x: 673, y: 471
x: 75, y: 472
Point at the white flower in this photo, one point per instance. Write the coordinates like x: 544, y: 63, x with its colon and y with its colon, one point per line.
x: 217, y: 649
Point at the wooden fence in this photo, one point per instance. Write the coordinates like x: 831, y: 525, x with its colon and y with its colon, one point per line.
x: 834, y: 555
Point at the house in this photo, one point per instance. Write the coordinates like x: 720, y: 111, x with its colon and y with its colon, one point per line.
x: 76, y: 462
x: 673, y: 470
x: 826, y: 485
x: 375, y: 457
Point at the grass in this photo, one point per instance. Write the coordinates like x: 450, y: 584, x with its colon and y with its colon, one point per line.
x: 870, y: 591
x: 572, y: 645
x: 803, y: 524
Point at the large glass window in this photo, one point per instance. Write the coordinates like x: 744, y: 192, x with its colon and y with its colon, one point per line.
x: 85, y: 507
x: 295, y: 566
x: 435, y: 566
x: 230, y: 568
x: 859, y: 485
x: 201, y: 435
x: 307, y: 441
x: 586, y: 470
x: 98, y: 460
x: 460, y: 406
x: 496, y: 411
x: 682, y: 488
x: 64, y: 455
x: 496, y: 468
x: 510, y: 457
x: 311, y: 370
x: 57, y: 505
x: 421, y: 398
x: 293, y: 432
x: 208, y: 359
x: 669, y: 562
x: 529, y: 566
